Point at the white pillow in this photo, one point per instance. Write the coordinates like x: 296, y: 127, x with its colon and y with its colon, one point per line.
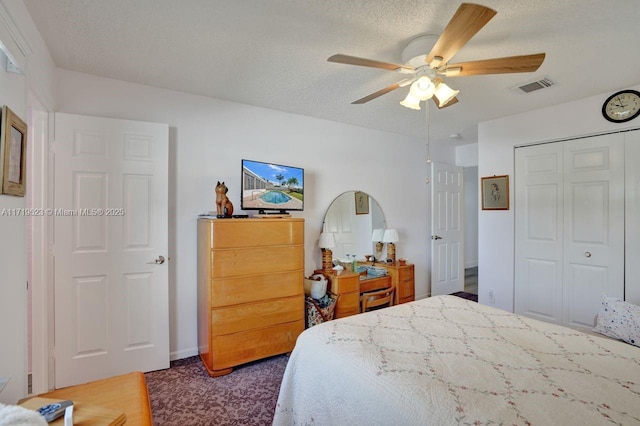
x: 619, y: 319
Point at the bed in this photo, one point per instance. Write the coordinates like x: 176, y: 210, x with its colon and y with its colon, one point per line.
x: 446, y: 360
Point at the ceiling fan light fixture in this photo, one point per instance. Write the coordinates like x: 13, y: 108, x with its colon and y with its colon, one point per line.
x: 453, y: 71
x: 422, y: 88
x: 444, y: 94
x: 435, y: 62
x: 411, y: 102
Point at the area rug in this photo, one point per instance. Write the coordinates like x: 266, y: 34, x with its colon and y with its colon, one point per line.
x: 466, y: 295
x: 186, y: 395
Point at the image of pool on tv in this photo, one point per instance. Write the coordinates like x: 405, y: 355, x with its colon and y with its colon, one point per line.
x: 267, y: 186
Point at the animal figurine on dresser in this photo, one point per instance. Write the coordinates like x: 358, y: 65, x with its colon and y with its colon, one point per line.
x: 223, y: 204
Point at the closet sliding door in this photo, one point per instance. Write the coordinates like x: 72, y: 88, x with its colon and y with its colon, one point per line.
x: 569, y: 228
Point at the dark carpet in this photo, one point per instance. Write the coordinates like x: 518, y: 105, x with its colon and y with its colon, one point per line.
x: 466, y: 295
x: 186, y: 395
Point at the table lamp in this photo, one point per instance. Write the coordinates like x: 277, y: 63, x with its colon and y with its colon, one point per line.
x: 327, y: 242
x: 390, y: 237
x: 377, y: 237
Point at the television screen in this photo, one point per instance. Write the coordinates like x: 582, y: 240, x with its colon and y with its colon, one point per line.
x: 271, y: 187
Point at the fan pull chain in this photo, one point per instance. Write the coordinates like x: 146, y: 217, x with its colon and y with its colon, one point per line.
x: 426, y: 110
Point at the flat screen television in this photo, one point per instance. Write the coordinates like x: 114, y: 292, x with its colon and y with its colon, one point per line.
x: 271, y: 188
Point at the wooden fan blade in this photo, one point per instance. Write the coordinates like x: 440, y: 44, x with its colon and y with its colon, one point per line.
x: 510, y: 64
x: 353, y: 60
x: 377, y: 94
x: 437, y: 102
x: 467, y: 21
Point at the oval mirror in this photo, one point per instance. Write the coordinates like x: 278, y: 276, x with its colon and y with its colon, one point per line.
x: 352, y: 217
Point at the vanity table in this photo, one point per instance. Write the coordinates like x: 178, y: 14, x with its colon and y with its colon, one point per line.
x: 349, y: 286
x: 353, y: 231
x: 402, y: 278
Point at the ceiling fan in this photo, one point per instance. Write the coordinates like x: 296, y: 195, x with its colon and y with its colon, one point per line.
x: 425, y: 69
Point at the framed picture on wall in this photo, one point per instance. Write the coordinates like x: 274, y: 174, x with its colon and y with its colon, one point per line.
x: 362, y: 203
x: 495, y: 192
x: 13, y: 154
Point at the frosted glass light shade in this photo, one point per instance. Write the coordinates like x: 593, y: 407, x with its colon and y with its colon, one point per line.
x: 444, y: 94
x: 390, y: 236
x: 327, y: 240
x: 411, y: 102
x: 422, y: 88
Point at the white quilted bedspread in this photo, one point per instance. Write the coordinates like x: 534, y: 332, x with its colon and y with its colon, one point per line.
x: 446, y: 360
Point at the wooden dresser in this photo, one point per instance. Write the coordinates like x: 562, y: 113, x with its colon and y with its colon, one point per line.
x: 250, y: 289
x: 403, y: 279
x: 348, y: 286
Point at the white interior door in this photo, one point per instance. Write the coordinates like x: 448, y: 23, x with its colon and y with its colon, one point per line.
x: 110, y: 225
x: 539, y: 194
x: 569, y: 228
x: 340, y: 221
x: 594, y: 225
x: 447, y: 227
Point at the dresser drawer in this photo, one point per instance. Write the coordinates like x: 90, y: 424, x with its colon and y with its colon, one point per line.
x: 344, y: 284
x: 252, y: 288
x: 406, y: 299
x: 230, y: 233
x: 250, y: 316
x: 348, y: 304
x: 256, y: 261
x: 237, y: 348
x: 405, y: 288
x: 405, y: 273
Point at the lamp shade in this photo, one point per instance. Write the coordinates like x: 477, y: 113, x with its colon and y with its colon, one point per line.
x: 327, y: 240
x: 377, y: 235
x: 411, y: 102
x: 444, y: 94
x: 390, y: 236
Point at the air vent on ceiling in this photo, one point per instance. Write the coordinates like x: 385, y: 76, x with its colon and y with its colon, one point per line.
x: 532, y: 86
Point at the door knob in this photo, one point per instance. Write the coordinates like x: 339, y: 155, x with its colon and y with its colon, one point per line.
x: 159, y: 261
x: 436, y: 237
x: 587, y: 254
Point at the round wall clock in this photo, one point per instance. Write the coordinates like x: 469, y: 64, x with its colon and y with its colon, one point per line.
x: 622, y: 106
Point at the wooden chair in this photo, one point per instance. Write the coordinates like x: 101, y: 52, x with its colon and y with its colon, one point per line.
x: 377, y: 299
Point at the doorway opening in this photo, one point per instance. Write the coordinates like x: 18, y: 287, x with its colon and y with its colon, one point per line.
x: 471, y: 205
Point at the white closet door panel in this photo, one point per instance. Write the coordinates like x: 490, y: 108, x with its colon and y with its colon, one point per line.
x: 540, y: 276
x: 538, y: 211
x: 584, y: 293
x: 594, y: 225
x: 632, y: 217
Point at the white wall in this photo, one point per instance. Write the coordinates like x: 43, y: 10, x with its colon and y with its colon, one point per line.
x: 23, y: 43
x: 208, y: 137
x: 13, y: 263
x: 471, y: 217
x: 496, y: 143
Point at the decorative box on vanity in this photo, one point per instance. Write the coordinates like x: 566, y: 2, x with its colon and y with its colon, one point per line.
x: 250, y: 289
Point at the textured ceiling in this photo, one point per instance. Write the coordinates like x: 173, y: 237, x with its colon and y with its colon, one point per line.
x: 272, y: 53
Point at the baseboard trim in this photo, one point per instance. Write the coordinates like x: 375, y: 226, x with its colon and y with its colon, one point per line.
x: 186, y: 353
